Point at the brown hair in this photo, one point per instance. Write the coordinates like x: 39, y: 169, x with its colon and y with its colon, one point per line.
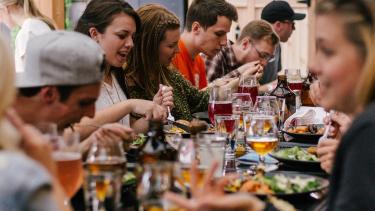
x: 205, y: 12
x: 359, y: 30
x: 100, y: 14
x: 30, y: 10
x: 259, y: 30
x: 143, y: 65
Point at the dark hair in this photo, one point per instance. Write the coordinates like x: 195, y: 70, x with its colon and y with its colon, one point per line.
x: 143, y: 61
x: 100, y: 14
x: 259, y: 29
x: 205, y: 12
x: 64, y: 91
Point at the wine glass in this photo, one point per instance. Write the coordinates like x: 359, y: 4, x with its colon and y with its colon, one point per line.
x: 104, y: 169
x: 157, y: 178
x: 268, y: 105
x: 219, y: 103
x: 262, y: 136
x: 241, y: 102
x: 294, y: 78
x: 68, y: 159
x: 249, y: 84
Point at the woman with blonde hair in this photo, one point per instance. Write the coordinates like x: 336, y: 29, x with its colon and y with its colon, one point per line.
x: 24, y: 14
x: 28, y: 174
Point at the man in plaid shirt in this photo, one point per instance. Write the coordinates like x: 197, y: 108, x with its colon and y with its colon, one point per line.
x: 248, y: 56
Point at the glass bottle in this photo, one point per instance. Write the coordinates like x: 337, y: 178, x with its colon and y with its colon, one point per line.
x: 156, y: 148
x: 282, y: 90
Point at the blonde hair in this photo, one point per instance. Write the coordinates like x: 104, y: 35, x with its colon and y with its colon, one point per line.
x: 8, y: 136
x: 30, y: 10
x: 258, y: 30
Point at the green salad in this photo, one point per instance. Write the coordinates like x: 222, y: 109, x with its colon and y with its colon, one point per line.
x: 279, y: 183
x: 296, y: 153
x: 140, y: 140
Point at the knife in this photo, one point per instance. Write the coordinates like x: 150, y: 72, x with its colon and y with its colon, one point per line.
x: 179, y: 125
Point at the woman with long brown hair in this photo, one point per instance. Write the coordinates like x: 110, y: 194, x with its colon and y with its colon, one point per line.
x: 149, y: 63
x: 24, y: 14
x: 113, y: 24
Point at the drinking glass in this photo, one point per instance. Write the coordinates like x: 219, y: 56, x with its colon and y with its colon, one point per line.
x: 294, y: 79
x: 241, y: 102
x: 156, y: 179
x: 295, y: 83
x: 227, y: 124
x: 219, y: 103
x: 249, y: 85
x: 262, y: 135
x: 104, y: 169
x: 268, y: 105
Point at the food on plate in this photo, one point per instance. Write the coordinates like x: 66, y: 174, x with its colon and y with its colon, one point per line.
x: 175, y: 129
x: 195, y: 126
x: 274, y: 184
x: 307, y: 129
x: 312, y: 150
x: 139, y: 140
x: 240, y: 150
x: 296, y: 153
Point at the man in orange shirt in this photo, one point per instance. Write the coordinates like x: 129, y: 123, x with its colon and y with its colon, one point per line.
x: 206, y: 28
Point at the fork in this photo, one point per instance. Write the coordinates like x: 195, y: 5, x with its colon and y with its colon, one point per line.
x: 170, y: 117
x: 326, y: 131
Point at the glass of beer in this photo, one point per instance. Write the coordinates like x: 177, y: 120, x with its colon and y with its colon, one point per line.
x: 67, y: 157
x: 268, y: 105
x: 262, y: 136
x: 104, y: 168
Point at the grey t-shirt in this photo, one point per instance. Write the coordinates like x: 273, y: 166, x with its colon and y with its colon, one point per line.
x: 272, y: 68
x: 24, y: 184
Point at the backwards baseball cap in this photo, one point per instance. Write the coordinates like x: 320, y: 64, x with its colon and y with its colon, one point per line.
x: 280, y: 11
x: 61, y: 58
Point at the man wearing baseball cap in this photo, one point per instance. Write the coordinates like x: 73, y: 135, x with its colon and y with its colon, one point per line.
x: 282, y: 17
x: 61, y: 81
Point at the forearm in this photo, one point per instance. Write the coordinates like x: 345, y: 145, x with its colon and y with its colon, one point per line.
x: 111, y: 114
x: 139, y: 125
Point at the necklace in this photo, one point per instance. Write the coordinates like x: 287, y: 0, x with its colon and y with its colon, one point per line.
x: 110, y: 95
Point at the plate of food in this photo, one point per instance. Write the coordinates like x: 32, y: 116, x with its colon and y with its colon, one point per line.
x: 305, y: 133
x: 282, y: 184
x: 299, y: 157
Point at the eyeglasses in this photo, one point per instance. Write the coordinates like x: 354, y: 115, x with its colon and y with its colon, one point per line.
x: 263, y: 55
x: 293, y: 24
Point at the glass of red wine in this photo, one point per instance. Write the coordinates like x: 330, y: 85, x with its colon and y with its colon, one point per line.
x: 295, y: 81
x: 249, y: 85
x: 219, y: 103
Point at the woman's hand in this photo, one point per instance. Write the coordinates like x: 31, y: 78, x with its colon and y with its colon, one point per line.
x: 340, y: 123
x: 326, y: 151
x: 164, y: 96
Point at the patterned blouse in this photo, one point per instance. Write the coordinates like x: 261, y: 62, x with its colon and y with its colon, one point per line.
x: 187, y: 99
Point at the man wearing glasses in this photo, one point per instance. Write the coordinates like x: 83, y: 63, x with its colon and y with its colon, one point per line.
x: 282, y: 17
x: 247, y: 56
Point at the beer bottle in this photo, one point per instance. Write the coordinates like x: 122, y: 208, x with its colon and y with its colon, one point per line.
x: 156, y: 148
x: 282, y: 90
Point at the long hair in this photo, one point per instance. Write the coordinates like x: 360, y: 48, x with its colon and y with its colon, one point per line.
x: 7, y: 95
x: 144, y: 66
x: 30, y: 10
x: 100, y: 14
x: 358, y: 19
